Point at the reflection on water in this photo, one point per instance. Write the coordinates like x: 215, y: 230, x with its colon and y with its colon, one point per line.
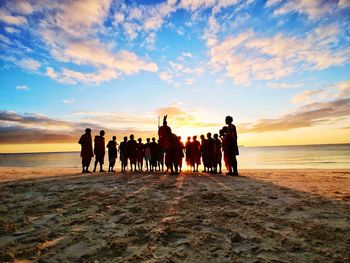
x: 306, y: 156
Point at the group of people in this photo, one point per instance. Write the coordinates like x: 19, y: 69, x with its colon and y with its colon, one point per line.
x: 168, y: 151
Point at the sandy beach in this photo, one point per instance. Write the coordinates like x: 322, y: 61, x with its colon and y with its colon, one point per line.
x: 49, y: 215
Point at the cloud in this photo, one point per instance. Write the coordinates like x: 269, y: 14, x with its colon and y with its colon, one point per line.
x: 29, y: 63
x: 321, y: 106
x: 306, y: 95
x: 68, y: 101
x: 11, y: 30
x: 312, y: 114
x: 20, y: 7
x: 22, y: 87
x: 248, y: 57
x: 332, y: 91
x: 282, y: 85
x: 12, y: 19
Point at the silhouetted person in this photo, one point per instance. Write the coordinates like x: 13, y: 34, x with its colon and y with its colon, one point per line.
x: 188, y: 147
x: 210, y: 152
x: 195, y: 153
x: 154, y: 147
x: 181, y: 152
x: 230, y: 146
x: 112, y: 153
x: 140, y: 154
x: 160, y: 157
x: 131, y: 149
x: 204, y: 153
x: 171, y: 145
x: 148, y: 154
x: 99, y: 150
x: 86, y: 152
x: 217, y: 153
x: 123, y: 154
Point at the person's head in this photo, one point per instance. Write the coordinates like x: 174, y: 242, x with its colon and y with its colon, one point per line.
x: 139, y: 140
x: 88, y: 131
x: 202, y: 137
x: 228, y: 120
x: 102, y: 133
x: 189, y: 138
x: 194, y: 137
x: 148, y: 139
x: 208, y: 135
x: 153, y: 139
x: 216, y: 136
x: 125, y: 138
x: 114, y: 138
x: 131, y: 136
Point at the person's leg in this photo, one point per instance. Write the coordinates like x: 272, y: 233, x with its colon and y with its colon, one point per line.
x: 83, y: 165
x: 235, y: 169
x: 95, y: 165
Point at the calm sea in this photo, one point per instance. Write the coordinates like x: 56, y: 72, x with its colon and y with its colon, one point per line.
x: 305, y: 156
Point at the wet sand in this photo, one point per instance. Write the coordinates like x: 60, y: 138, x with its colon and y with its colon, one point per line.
x: 49, y: 215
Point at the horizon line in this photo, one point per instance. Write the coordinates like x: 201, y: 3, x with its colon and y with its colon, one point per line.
x: 240, y: 146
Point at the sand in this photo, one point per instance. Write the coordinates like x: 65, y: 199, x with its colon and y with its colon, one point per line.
x: 49, y: 215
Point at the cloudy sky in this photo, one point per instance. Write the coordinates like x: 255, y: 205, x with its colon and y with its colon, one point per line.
x: 280, y: 68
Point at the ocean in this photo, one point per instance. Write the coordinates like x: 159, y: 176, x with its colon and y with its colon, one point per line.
x: 332, y: 156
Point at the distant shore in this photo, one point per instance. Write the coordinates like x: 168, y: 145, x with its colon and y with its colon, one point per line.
x: 286, y: 215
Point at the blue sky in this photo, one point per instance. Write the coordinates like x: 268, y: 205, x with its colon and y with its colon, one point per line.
x: 280, y: 68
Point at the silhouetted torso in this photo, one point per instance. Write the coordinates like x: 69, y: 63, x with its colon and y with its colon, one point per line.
x: 86, y: 146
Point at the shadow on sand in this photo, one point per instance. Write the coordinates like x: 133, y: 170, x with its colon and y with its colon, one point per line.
x: 163, y: 218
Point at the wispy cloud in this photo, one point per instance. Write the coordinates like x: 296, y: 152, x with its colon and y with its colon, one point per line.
x: 22, y: 87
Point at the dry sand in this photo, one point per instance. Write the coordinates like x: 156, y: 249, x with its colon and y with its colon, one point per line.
x: 262, y: 216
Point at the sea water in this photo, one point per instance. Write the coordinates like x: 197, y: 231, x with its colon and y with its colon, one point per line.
x: 332, y: 156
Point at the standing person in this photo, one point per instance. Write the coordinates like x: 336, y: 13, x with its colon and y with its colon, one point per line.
x: 160, y: 157
x: 181, y: 152
x: 131, y: 150
x: 210, y: 153
x: 123, y: 155
x: 140, y: 154
x: 86, y: 152
x: 153, y: 147
x: 188, y: 147
x: 230, y: 146
x: 204, y: 154
x: 112, y: 153
x: 99, y: 150
x: 217, y: 153
x: 148, y: 154
x: 195, y: 154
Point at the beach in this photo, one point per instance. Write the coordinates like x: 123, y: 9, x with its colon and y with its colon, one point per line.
x: 266, y: 215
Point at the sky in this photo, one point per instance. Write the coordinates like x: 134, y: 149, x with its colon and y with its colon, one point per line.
x: 281, y: 69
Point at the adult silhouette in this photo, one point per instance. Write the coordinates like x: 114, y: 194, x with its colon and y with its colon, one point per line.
x: 140, y: 154
x: 99, y: 150
x: 181, y: 152
x: 195, y: 153
x: 204, y: 153
x: 86, y: 152
x: 217, y: 153
x: 148, y: 154
x: 230, y: 146
x: 112, y: 153
x: 188, y: 147
x: 131, y: 149
x: 123, y: 154
x: 210, y: 153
